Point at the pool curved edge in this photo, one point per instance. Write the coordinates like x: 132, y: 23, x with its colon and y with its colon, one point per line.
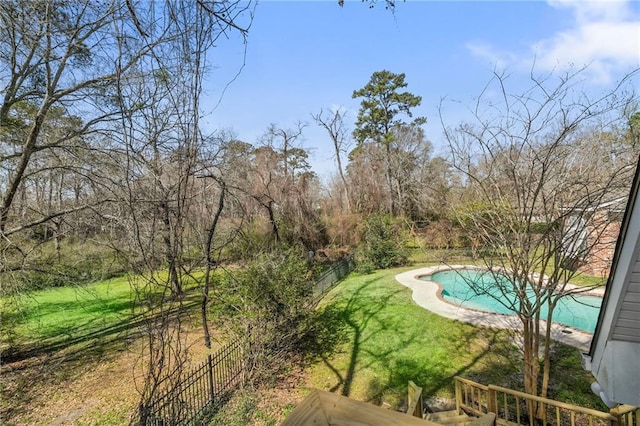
x: 427, y: 295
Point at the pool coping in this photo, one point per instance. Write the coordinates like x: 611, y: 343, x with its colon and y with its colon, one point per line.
x: 427, y: 295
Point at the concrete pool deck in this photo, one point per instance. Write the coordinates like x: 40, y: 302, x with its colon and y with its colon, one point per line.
x: 426, y: 295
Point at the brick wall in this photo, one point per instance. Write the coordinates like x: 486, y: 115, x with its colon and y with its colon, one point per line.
x: 603, y: 233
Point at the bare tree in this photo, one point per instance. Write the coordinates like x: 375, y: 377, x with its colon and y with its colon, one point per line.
x: 164, y: 153
x: 100, y: 116
x: 52, y: 62
x: 71, y: 61
x: 537, y: 167
x: 333, y: 123
x: 365, y: 169
x: 406, y: 163
x: 284, y: 185
x: 410, y: 157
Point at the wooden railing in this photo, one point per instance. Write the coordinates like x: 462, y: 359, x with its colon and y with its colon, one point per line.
x: 518, y: 408
x: 628, y: 415
x: 471, y: 397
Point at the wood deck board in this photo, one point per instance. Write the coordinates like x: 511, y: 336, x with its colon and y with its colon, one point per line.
x: 321, y: 408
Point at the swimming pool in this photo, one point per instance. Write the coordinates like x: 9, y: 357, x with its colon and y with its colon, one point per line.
x: 578, y: 311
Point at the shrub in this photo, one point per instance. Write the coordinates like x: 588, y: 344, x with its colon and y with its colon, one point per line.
x: 270, y: 300
x: 441, y: 235
x: 383, y: 244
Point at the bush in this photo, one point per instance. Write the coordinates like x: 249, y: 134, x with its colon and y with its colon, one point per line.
x: 249, y: 243
x: 270, y: 300
x: 75, y: 264
x: 383, y: 244
x: 342, y: 229
x: 442, y: 235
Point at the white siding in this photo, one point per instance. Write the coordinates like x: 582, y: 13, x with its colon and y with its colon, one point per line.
x: 626, y: 325
x: 614, y: 358
x: 618, y: 372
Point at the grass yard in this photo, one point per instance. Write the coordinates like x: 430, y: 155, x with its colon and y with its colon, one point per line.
x: 373, y: 340
x: 49, y: 316
x: 74, y: 355
x: 65, y: 356
x: 383, y: 340
x: 60, y: 316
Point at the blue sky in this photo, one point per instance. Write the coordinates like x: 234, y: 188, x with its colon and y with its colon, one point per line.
x: 302, y: 56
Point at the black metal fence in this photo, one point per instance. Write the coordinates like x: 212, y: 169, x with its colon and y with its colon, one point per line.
x: 331, y: 276
x: 207, y: 387
x: 202, y: 391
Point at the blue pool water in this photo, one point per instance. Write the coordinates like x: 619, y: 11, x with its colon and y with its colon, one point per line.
x: 577, y: 311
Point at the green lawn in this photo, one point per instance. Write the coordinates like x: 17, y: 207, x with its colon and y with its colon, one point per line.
x: 375, y: 339
x: 383, y: 340
x: 51, y: 315
x: 73, y: 314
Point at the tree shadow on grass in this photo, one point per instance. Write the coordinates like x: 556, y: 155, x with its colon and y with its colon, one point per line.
x: 42, y: 364
x: 436, y: 376
x: 358, y: 318
x: 470, y: 351
x: 91, y: 334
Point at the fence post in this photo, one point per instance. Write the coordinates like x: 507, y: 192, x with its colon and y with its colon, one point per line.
x: 142, y: 413
x: 210, y: 374
x: 492, y: 401
x: 458, y: 388
x: 414, y: 404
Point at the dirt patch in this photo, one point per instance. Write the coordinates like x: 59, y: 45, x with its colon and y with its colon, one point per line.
x: 276, y: 403
x: 68, y: 418
x: 266, y: 405
x: 97, y: 385
x: 60, y: 389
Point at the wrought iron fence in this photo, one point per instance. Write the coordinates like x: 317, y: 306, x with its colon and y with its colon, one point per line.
x: 331, y: 276
x: 201, y: 391
x: 207, y: 387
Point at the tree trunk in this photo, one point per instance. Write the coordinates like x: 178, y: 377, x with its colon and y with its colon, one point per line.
x: 209, y: 266
x: 530, y: 358
x: 392, y: 199
x: 272, y: 220
x: 170, y: 255
x: 546, y: 369
x: 19, y: 172
x: 345, y: 185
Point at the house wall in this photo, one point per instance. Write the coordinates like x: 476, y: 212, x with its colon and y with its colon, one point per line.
x: 617, y: 372
x: 616, y: 365
x: 602, y: 236
x: 627, y: 323
x: 614, y: 357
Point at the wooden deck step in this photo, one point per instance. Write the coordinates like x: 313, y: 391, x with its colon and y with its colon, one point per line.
x: 449, y: 418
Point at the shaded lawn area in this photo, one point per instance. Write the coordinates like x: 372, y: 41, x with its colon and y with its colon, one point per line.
x: 54, y: 318
x: 382, y: 339
x: 73, y: 353
x: 55, y: 314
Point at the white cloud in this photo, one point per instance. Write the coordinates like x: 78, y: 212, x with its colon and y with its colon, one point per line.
x: 605, y: 37
x: 589, y: 10
x: 498, y: 59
